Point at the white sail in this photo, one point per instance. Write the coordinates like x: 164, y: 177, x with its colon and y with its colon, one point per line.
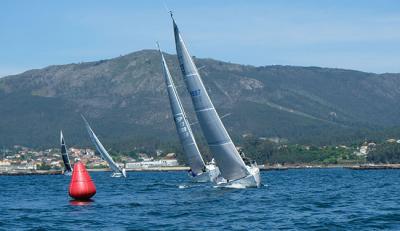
x: 64, y: 155
x: 221, y: 146
x: 103, y: 152
x: 185, y: 133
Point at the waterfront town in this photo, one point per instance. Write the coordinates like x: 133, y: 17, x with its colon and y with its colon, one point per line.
x: 24, y: 159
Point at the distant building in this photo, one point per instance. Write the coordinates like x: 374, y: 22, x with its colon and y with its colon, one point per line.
x: 28, y: 166
x: 55, y: 164
x: 5, y: 165
x: 364, y: 150
x: 277, y: 140
x: 170, y: 155
x: 145, y: 157
x: 152, y: 164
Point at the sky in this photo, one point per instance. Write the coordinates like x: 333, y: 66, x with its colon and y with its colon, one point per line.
x: 359, y: 34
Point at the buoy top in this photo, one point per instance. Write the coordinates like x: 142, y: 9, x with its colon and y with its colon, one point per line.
x: 81, y: 174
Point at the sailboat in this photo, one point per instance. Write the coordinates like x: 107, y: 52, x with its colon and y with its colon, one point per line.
x: 117, y: 170
x: 231, y: 165
x: 199, y: 171
x: 65, y: 157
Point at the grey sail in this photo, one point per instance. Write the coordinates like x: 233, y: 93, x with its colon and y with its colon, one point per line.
x: 64, y: 154
x: 221, y: 146
x: 100, y: 148
x: 182, y: 125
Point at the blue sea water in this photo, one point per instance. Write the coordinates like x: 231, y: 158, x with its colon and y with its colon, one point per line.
x: 309, y: 199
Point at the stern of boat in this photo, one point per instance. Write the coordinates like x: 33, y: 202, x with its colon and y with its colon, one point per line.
x: 253, y: 180
x: 210, y: 175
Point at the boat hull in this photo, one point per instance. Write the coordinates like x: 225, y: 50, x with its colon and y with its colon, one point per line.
x: 210, y: 175
x: 119, y: 174
x: 253, y: 180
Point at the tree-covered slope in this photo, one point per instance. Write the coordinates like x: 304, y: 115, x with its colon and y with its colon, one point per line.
x: 125, y: 101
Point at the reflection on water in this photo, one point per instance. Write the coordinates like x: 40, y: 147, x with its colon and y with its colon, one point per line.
x: 81, y: 202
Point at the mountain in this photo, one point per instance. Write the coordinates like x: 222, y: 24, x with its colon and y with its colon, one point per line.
x: 126, y: 103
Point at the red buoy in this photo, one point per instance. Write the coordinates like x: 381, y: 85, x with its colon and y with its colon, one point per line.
x: 81, y: 186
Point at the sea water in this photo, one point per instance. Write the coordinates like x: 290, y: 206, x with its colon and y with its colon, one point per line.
x: 308, y: 199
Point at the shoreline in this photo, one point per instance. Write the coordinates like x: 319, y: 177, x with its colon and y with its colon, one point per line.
x: 184, y: 168
x: 321, y: 166
x: 156, y: 169
x: 31, y: 173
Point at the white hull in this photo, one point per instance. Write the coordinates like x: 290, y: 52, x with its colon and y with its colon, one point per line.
x: 210, y: 175
x: 116, y: 174
x: 119, y: 174
x: 253, y: 180
x: 68, y: 173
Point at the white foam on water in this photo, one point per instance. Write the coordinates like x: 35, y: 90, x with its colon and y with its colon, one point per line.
x: 233, y: 185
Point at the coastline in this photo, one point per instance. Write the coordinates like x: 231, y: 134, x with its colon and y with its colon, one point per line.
x: 184, y: 168
x: 30, y: 172
x: 60, y: 172
x: 321, y: 166
x: 155, y: 169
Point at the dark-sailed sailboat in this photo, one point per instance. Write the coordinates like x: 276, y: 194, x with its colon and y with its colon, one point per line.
x: 65, y: 156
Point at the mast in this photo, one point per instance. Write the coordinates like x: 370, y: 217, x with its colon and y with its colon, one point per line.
x: 100, y: 148
x: 64, y: 154
x: 182, y: 125
x: 227, y: 157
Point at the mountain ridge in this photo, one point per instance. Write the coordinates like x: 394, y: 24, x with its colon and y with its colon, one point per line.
x: 203, y: 58
x: 124, y: 98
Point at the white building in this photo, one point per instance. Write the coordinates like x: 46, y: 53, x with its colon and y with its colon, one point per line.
x: 5, y: 166
x: 28, y: 166
x: 364, y: 150
x: 152, y: 164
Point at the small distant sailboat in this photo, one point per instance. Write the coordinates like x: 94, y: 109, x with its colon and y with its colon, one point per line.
x: 65, y: 157
x: 117, y: 170
x: 199, y: 171
x: 231, y: 165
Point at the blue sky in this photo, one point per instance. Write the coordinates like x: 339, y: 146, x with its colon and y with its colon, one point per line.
x: 359, y: 34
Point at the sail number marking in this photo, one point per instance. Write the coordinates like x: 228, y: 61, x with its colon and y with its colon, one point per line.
x: 181, y: 126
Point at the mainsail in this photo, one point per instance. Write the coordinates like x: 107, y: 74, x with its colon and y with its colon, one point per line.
x: 227, y: 157
x: 100, y: 148
x: 185, y: 133
x: 64, y: 154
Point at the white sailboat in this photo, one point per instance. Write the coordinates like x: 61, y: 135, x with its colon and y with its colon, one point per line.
x: 117, y: 170
x: 232, y: 167
x: 65, y: 157
x: 199, y: 171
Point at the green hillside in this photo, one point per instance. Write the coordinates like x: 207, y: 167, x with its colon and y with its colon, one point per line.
x: 126, y: 102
